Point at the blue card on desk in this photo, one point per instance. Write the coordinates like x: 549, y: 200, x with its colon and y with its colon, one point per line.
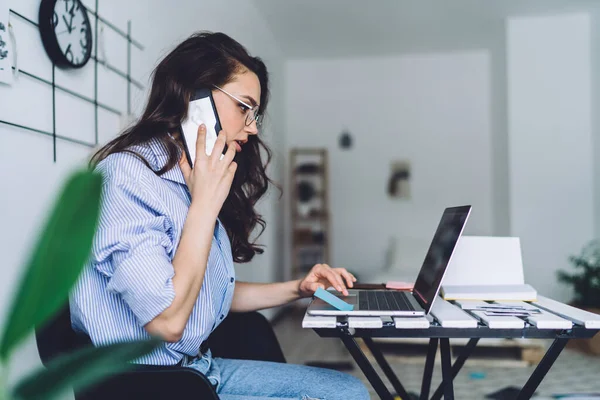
x: 333, y: 300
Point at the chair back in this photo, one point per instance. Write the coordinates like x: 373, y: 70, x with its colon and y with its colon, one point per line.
x: 57, y: 337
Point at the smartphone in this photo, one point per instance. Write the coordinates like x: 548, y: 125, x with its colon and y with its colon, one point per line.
x: 201, y: 110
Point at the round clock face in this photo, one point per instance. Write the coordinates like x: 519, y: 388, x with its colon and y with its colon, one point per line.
x: 66, y: 32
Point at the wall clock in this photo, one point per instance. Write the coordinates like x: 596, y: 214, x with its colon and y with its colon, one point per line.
x: 66, y: 32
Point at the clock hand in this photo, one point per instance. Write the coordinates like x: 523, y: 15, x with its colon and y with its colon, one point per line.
x: 71, y: 23
x: 68, y: 24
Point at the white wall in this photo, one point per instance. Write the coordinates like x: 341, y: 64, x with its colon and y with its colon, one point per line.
x: 431, y: 109
x: 595, y: 99
x: 524, y: 101
x: 499, y: 143
x: 30, y: 179
x: 551, y: 185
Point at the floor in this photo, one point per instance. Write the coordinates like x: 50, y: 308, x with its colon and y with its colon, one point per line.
x: 573, y: 372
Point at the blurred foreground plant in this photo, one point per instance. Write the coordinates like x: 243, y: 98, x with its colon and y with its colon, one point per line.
x: 53, y: 268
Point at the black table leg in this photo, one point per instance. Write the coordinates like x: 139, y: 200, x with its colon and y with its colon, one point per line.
x: 387, y: 370
x: 428, y: 371
x: 446, y: 369
x: 458, y: 364
x: 366, y: 367
x: 542, y: 369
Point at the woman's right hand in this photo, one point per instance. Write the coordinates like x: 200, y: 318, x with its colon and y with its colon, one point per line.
x: 210, y: 180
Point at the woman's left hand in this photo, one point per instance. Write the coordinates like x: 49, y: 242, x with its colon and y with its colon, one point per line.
x: 323, y: 276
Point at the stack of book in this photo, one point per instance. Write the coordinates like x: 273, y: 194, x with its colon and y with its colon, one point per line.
x: 499, y: 309
x: 523, y: 292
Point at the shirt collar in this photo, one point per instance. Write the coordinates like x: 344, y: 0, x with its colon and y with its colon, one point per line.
x: 160, y: 153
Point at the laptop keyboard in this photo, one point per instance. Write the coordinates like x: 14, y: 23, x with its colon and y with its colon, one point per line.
x: 383, y: 300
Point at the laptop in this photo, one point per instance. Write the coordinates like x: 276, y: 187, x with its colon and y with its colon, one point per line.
x: 403, y: 303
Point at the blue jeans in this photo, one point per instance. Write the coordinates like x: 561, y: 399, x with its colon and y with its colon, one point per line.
x: 256, y: 380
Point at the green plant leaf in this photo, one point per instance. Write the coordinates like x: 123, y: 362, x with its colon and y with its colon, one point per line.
x: 57, y: 260
x: 3, y: 383
x: 81, y: 369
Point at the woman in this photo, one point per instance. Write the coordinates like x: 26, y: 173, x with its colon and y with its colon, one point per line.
x: 168, y: 235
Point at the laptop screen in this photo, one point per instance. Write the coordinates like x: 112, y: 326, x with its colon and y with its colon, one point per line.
x: 438, y: 256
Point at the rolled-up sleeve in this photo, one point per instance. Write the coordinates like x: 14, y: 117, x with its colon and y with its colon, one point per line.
x: 132, y: 247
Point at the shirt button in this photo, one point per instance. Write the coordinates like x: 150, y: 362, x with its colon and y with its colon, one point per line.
x: 222, y: 316
x: 232, y: 279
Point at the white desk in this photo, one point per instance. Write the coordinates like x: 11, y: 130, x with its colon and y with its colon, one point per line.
x: 449, y: 321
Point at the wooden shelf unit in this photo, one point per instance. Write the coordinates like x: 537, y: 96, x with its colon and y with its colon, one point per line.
x: 310, y: 216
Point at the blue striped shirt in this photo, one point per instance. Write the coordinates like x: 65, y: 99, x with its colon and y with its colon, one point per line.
x: 128, y: 280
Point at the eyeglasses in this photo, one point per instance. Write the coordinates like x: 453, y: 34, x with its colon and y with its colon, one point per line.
x: 253, y: 115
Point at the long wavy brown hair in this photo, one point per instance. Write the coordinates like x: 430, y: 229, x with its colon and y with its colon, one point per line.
x: 202, y: 60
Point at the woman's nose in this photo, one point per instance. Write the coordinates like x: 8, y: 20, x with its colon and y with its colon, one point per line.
x: 252, y: 129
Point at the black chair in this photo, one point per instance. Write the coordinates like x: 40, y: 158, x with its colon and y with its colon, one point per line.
x: 241, y: 335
